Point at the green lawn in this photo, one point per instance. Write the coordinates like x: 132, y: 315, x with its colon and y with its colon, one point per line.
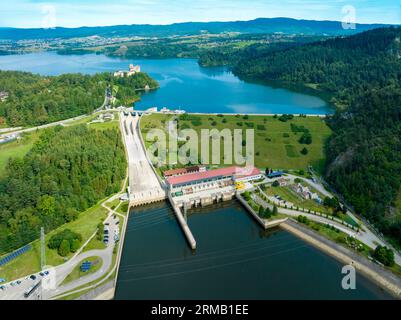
x: 104, y: 125
x: 276, y: 146
x: 29, y: 262
x: 291, y: 196
x: 77, y: 273
x: 16, y: 149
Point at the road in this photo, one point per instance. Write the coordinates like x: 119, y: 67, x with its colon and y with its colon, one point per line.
x: 59, y: 273
x: 365, y: 235
x: 144, y: 184
x: 19, y: 130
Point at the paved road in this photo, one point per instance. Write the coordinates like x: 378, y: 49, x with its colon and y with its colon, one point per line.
x: 59, y: 273
x: 64, y: 270
x: 63, y: 122
x: 144, y: 185
x: 366, y: 235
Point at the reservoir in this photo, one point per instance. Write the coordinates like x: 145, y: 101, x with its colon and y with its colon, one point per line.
x: 235, y: 259
x: 183, y: 84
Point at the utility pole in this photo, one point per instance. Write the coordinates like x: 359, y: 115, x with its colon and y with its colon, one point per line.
x: 42, y: 248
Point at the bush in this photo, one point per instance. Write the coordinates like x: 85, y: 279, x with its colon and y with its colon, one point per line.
x: 304, y: 151
x: 384, y: 255
x: 261, y: 127
x: 305, y: 139
x: 76, y: 244
x: 286, y: 135
x: 99, y: 233
x: 64, y: 248
x: 303, y: 219
x: 286, y: 117
x: 196, y: 123
x: 276, y: 184
x: 65, y: 240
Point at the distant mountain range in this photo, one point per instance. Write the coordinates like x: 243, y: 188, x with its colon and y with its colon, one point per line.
x: 261, y: 25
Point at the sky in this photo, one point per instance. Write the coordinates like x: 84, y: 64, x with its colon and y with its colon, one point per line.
x: 77, y: 13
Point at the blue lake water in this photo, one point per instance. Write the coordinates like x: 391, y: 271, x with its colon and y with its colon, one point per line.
x: 235, y: 259
x: 183, y: 84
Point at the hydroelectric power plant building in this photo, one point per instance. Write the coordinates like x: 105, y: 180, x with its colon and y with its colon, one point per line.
x: 207, y: 187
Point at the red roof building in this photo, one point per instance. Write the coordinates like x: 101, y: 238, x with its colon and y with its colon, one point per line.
x: 181, y: 171
x: 211, y: 175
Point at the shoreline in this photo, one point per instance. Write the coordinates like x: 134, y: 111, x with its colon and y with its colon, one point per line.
x: 378, y: 275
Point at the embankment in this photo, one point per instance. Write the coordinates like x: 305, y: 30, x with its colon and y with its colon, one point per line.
x: 382, y: 277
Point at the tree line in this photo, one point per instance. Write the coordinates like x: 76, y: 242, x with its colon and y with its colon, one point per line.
x: 36, y: 100
x: 66, y: 172
x: 361, y: 75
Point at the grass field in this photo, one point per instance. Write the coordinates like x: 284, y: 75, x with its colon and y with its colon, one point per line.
x: 77, y: 273
x: 289, y: 195
x: 104, y: 125
x: 276, y: 146
x: 16, y: 149
x: 29, y: 262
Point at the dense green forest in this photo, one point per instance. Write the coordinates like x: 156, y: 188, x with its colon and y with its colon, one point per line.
x: 231, y: 55
x: 67, y: 171
x: 36, y: 100
x: 362, y: 75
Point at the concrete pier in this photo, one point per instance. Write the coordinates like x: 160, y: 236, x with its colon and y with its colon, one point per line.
x: 184, y: 225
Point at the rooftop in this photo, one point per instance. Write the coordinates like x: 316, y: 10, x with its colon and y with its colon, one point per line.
x: 222, y: 172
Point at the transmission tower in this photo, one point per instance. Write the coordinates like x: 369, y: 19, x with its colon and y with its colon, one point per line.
x: 42, y: 248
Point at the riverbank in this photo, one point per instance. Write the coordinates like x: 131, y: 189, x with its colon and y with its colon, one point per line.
x: 372, y: 271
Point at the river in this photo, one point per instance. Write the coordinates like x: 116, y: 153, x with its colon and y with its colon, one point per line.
x: 235, y: 259
x: 183, y: 84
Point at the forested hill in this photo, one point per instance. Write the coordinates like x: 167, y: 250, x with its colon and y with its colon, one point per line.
x: 36, y: 100
x: 362, y: 73
x: 343, y: 67
x: 261, y: 25
x: 67, y: 171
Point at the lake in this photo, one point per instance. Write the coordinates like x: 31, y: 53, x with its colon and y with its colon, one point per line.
x: 235, y: 259
x: 183, y: 84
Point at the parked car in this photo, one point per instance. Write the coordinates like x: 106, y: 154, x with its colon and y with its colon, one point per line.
x: 3, y: 288
x: 19, y: 282
x: 32, y: 277
x: 42, y: 274
x: 2, y: 280
x: 46, y: 273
